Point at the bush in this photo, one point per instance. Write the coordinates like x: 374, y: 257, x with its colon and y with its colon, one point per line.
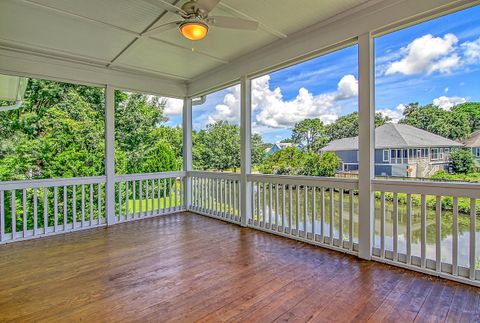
x: 462, y: 161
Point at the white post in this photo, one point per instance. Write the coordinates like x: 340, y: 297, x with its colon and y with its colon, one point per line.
x: 187, y: 150
x: 110, y: 154
x: 366, y: 144
x: 245, y: 150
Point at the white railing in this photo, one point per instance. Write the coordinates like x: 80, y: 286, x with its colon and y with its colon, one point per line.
x: 322, y: 211
x: 145, y: 195
x: 36, y: 208
x: 429, y: 227
x: 216, y: 195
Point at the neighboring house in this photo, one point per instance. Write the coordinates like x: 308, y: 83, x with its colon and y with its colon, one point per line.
x: 473, y: 142
x: 281, y: 145
x: 400, y: 150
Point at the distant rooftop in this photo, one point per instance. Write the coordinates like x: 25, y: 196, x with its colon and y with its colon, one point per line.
x: 393, y: 135
x: 473, y: 140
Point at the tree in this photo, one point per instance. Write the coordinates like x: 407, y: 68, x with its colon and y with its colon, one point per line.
x: 450, y: 124
x: 462, y: 160
x: 310, y: 133
x: 217, y: 147
x: 347, y: 126
x: 325, y: 164
x: 286, y: 161
x: 258, y: 149
x: 472, y: 110
x: 159, y: 158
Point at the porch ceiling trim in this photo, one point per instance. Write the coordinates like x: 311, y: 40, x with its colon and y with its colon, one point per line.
x: 376, y: 16
x: 21, y: 63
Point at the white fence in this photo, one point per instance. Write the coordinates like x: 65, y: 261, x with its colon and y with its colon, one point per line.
x: 30, y: 209
x: 145, y: 195
x: 216, y: 195
x: 315, y: 210
x: 429, y: 227
x: 424, y: 226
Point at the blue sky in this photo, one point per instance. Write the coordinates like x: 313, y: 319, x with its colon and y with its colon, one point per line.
x: 434, y: 62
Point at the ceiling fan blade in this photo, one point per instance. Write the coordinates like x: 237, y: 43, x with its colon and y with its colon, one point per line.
x: 161, y: 28
x: 232, y: 22
x: 207, y: 5
x: 166, y: 6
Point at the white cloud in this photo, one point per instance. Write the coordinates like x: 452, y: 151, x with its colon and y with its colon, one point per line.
x: 427, y: 54
x: 447, y: 103
x: 173, y: 107
x: 275, y: 112
x: 471, y: 51
x: 394, y: 114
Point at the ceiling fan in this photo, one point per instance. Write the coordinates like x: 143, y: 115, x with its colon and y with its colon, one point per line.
x: 196, y: 21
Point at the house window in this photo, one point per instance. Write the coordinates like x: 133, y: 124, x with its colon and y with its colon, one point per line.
x: 435, y: 153
x: 477, y: 152
x: 446, y: 150
x: 386, y: 155
x: 441, y: 153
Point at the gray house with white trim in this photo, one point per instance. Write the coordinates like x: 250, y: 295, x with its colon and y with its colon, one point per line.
x: 400, y: 150
x: 473, y: 142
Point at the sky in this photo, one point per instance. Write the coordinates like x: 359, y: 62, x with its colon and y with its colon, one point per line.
x: 434, y: 62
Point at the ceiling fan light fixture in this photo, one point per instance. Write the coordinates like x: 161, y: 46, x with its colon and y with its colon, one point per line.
x: 194, y: 30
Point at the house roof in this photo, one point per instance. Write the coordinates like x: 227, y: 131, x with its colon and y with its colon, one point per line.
x: 473, y: 140
x: 392, y: 135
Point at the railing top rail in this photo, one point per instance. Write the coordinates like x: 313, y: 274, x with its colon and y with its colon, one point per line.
x: 132, y: 177
x: 51, y: 182
x: 428, y: 188
x: 345, y: 183
x: 221, y: 175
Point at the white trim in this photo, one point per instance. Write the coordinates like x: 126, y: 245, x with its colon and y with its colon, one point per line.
x: 110, y: 154
x: 187, y: 149
x: 245, y: 149
x: 388, y: 155
x: 22, y: 63
x: 366, y: 144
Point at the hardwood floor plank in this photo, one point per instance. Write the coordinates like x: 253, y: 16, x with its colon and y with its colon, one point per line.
x: 185, y: 267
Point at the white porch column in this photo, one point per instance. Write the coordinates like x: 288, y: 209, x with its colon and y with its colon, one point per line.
x: 187, y: 150
x: 110, y: 154
x: 366, y: 144
x: 245, y: 149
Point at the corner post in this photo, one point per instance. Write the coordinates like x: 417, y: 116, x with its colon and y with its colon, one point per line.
x: 110, y: 154
x: 366, y: 144
x: 187, y: 151
x: 245, y: 150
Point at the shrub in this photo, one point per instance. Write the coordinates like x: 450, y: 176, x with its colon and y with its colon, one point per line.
x: 462, y: 161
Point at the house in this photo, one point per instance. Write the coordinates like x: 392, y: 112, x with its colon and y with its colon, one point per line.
x: 473, y: 142
x: 400, y: 150
x: 281, y: 145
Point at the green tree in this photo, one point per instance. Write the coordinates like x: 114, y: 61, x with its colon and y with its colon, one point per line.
x: 325, y: 164
x: 450, y: 124
x: 462, y: 161
x: 286, y: 161
x: 347, y: 126
x: 310, y: 133
x: 472, y: 110
x: 217, y: 147
x: 159, y: 158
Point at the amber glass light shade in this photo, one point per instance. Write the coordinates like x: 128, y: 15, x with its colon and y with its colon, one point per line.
x: 194, y: 30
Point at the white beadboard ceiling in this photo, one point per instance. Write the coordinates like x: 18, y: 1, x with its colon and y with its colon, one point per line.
x: 107, y: 32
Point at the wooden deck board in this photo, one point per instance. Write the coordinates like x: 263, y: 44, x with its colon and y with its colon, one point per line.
x: 186, y: 267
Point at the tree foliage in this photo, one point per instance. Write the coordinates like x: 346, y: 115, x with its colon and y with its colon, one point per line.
x: 310, y: 133
x: 452, y: 124
x: 462, y: 161
x: 347, y: 126
x: 472, y: 111
x: 59, y: 132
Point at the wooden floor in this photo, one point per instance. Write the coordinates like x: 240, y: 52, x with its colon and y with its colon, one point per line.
x: 187, y: 267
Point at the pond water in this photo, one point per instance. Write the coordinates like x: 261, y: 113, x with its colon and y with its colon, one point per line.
x: 446, y: 223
